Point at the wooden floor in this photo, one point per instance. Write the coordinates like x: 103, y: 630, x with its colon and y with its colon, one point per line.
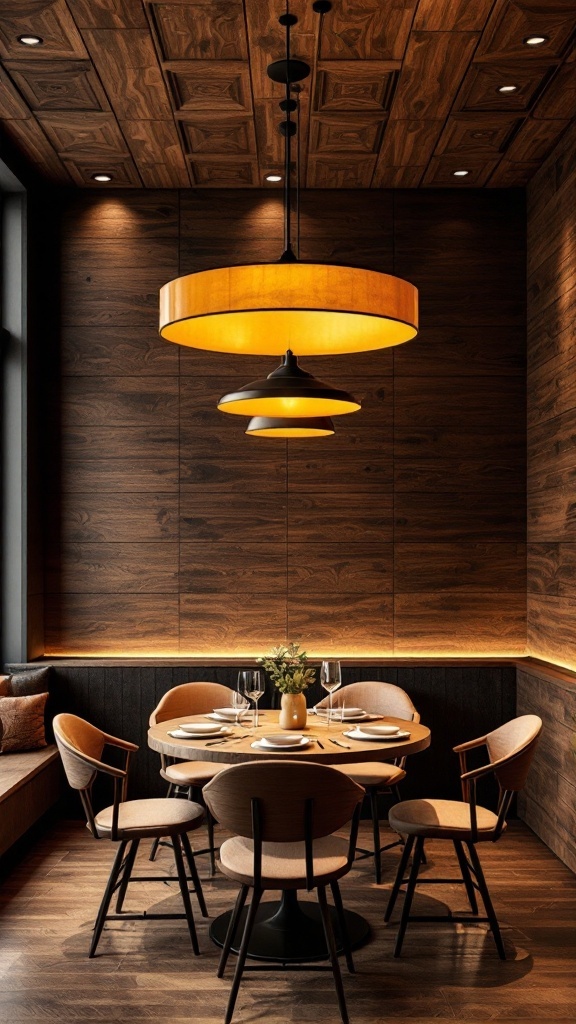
x: 145, y: 971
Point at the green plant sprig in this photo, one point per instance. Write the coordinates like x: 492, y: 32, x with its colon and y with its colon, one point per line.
x: 286, y: 666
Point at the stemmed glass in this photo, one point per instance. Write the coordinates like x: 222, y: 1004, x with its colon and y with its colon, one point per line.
x: 331, y: 679
x: 239, y: 702
x: 252, y: 683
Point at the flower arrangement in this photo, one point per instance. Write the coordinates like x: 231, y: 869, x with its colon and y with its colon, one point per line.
x: 286, y: 666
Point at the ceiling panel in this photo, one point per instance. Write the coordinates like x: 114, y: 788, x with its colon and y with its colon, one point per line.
x: 174, y: 93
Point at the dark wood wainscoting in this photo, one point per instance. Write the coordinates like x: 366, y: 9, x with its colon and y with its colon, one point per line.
x: 456, y: 702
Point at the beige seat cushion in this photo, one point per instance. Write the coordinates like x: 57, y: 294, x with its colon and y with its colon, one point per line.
x: 284, y: 864
x: 441, y: 819
x: 191, y: 773
x: 372, y: 773
x: 141, y: 819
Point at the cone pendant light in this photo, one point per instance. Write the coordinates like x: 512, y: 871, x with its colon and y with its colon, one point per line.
x: 289, y: 392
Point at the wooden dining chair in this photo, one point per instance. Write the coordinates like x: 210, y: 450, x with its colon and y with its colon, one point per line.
x: 127, y: 822
x: 376, y: 777
x: 189, y: 777
x: 282, y: 815
x: 463, y: 822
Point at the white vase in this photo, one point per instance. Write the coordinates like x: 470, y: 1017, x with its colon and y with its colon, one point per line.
x: 292, y: 711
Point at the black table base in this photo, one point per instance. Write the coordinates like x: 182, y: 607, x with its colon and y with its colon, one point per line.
x: 290, y: 932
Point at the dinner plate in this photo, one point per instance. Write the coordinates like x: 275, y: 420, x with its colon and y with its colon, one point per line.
x: 350, y: 714
x: 201, y: 728
x: 357, y: 734
x: 217, y: 716
x: 179, y: 734
x: 258, y: 745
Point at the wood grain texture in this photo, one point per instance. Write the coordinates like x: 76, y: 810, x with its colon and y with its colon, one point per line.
x: 433, y: 623
x: 162, y: 68
x: 272, y: 538
x: 552, y: 407
x: 547, y: 803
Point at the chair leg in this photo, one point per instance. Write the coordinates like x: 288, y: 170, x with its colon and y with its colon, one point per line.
x: 490, y: 912
x: 194, y: 874
x: 178, y: 860
x: 250, y: 919
x: 407, y: 850
x: 466, y: 876
x: 232, y: 925
x: 329, y: 936
x: 416, y: 861
x: 108, y: 893
x: 156, y: 842
x: 337, y: 897
x: 373, y: 794
x: 126, y: 876
x: 210, y: 829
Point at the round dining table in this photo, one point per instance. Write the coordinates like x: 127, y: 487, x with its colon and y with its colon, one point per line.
x: 289, y: 931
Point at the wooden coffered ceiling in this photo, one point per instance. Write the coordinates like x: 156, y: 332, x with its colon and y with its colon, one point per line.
x: 174, y: 93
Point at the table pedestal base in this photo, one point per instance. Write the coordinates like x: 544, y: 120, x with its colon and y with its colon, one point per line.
x: 289, y: 932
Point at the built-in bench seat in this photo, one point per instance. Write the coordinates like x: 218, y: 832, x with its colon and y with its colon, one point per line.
x: 30, y: 784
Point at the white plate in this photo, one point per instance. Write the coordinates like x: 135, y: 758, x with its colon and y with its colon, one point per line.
x: 379, y: 730
x: 350, y: 714
x: 201, y: 728
x: 282, y: 740
x: 179, y: 734
x: 216, y: 716
x: 357, y: 734
x: 258, y: 745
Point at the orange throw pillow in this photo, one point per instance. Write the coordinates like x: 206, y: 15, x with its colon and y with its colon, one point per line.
x: 22, y: 723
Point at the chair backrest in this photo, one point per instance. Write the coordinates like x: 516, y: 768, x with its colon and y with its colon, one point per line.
x: 376, y: 697
x: 512, y: 747
x: 190, y: 699
x: 284, y: 791
x: 81, y: 746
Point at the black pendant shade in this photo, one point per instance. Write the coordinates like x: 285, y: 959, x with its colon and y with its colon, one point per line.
x: 289, y: 392
x: 267, y: 426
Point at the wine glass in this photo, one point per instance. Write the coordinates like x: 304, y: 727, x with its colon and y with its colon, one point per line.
x: 239, y: 702
x: 331, y: 679
x: 252, y: 683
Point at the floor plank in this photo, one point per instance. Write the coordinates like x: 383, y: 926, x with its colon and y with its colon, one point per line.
x: 145, y: 971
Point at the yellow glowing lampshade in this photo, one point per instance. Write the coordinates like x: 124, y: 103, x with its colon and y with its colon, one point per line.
x: 262, y: 426
x: 289, y: 392
x: 311, y: 308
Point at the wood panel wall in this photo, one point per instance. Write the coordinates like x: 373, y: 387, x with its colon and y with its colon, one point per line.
x: 549, y: 800
x: 168, y: 531
x: 552, y: 408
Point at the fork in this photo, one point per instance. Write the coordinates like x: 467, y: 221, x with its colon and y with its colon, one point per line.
x: 228, y: 739
x: 339, y: 744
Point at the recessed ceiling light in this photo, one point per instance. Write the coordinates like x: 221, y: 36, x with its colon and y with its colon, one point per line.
x: 460, y: 174
x: 30, y: 40
x: 535, y: 40
x: 507, y: 88
x: 102, y: 177
x: 273, y: 177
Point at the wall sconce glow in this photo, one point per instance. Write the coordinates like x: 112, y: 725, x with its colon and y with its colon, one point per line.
x: 310, y: 308
x: 507, y: 88
x: 535, y: 40
x: 289, y: 392
x: 273, y: 177
x: 262, y: 426
x: 102, y: 177
x: 460, y: 174
x: 30, y: 40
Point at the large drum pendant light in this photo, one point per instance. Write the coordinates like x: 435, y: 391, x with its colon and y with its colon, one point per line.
x: 312, y: 308
x: 289, y: 392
